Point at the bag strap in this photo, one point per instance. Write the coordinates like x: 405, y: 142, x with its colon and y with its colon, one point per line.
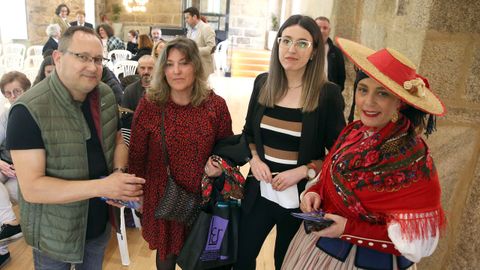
x: 164, y: 143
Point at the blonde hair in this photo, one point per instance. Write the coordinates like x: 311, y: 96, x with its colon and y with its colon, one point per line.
x: 159, y: 91
x: 313, y: 79
x: 155, y: 46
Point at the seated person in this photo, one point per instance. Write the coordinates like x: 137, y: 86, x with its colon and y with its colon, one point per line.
x: 12, y: 85
x: 53, y: 32
x: 132, y: 45
x: 144, y: 47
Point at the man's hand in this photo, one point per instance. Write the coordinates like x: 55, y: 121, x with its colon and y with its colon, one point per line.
x: 122, y: 186
x: 7, y: 169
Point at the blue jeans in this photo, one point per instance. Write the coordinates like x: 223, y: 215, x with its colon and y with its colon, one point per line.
x: 92, y: 255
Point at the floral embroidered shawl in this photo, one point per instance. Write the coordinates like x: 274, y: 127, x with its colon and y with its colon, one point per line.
x: 387, y: 176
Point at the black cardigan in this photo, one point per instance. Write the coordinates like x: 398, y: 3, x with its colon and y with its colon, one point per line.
x: 320, y: 129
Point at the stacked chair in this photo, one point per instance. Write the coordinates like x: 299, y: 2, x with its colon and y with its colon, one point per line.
x: 16, y: 56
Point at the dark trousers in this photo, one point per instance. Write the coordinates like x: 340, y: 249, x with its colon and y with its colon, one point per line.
x: 255, y: 227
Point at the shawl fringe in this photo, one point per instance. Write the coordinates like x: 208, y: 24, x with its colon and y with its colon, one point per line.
x: 422, y: 225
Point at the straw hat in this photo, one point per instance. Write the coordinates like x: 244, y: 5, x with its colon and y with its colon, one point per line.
x: 396, y: 73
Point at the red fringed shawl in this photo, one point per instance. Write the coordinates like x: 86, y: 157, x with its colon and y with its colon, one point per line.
x: 387, y: 176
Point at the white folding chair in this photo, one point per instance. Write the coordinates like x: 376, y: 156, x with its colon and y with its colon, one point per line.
x: 2, y: 70
x: 119, y: 55
x: 221, y: 56
x: 127, y: 67
x: 33, y: 61
x: 122, y: 236
x: 122, y: 239
x: 12, y: 61
x: 34, y: 50
x: 14, y: 48
x: 31, y: 73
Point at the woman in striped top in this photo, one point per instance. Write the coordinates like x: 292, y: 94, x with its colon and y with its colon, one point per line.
x: 294, y: 115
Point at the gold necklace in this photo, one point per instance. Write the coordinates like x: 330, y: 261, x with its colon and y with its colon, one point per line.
x: 295, y: 86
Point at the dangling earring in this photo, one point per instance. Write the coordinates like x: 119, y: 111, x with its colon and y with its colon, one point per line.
x: 394, y: 117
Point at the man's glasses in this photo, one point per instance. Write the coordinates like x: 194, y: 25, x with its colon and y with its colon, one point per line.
x: 299, y: 44
x: 15, y: 92
x: 85, y: 58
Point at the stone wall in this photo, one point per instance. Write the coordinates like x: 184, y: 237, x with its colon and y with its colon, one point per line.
x: 248, y: 23
x: 40, y: 13
x: 163, y: 13
x: 166, y: 13
x: 443, y: 39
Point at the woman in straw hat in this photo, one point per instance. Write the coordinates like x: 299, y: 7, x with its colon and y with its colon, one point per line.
x: 294, y: 116
x: 378, y: 183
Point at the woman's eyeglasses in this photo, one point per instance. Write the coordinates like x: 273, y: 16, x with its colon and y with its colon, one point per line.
x: 15, y: 92
x: 299, y: 44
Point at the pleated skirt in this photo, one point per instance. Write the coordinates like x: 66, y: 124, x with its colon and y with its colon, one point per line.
x: 304, y: 254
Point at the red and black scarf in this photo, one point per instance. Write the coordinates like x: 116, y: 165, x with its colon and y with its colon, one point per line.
x: 232, y: 187
x: 387, y: 176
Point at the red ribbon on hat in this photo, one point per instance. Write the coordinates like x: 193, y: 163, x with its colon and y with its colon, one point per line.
x: 390, y: 66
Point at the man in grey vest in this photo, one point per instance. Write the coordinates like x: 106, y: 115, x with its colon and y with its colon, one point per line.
x: 68, y: 154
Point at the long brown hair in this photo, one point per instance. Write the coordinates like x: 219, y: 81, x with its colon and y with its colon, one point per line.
x: 144, y: 41
x: 159, y: 91
x: 314, y: 77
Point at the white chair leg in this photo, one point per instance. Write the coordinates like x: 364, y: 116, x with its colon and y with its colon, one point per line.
x: 122, y: 239
x: 136, y: 220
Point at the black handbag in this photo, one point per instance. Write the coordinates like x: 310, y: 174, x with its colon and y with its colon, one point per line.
x: 176, y: 204
x: 213, y: 240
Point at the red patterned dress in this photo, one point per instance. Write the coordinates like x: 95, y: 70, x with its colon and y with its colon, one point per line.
x: 191, y: 133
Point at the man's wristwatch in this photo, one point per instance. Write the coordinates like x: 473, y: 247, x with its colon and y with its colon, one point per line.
x: 312, y: 171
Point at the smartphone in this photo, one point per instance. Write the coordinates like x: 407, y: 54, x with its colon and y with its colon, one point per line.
x: 128, y: 204
x: 315, y: 226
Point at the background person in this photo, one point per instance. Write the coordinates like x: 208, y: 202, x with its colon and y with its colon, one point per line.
x: 195, y: 118
x: 109, y: 41
x: 132, y: 44
x: 158, y: 48
x: 145, y: 46
x: 334, y: 63
x: 135, y: 91
x: 13, y: 84
x: 203, y: 34
x: 53, y: 32
x: 61, y: 17
x: 294, y: 115
x: 378, y: 183
x: 156, y: 33
x: 81, y: 20
x: 47, y: 67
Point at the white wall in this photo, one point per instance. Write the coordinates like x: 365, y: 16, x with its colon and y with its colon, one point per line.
x: 90, y: 11
x: 13, y: 20
x: 312, y: 8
